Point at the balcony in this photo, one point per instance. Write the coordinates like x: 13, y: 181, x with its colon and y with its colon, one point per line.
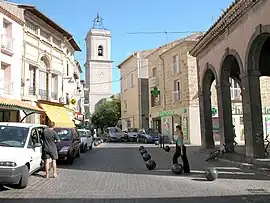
x: 153, y: 81
x: 43, y: 94
x: 236, y: 94
x: 176, y: 95
x: 7, y: 44
x: 54, y: 95
x: 6, y: 87
x: 32, y: 91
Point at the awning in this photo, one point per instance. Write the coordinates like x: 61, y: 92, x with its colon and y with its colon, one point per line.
x: 58, y: 114
x: 14, y: 104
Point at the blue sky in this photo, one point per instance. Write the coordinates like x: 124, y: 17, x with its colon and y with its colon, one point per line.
x: 122, y: 16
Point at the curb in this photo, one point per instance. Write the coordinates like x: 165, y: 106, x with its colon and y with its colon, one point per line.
x: 246, y: 165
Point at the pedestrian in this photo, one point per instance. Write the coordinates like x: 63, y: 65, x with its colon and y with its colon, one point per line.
x: 234, y: 135
x: 49, y: 149
x: 180, y: 150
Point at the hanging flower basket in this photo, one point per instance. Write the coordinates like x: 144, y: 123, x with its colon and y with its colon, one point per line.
x: 73, y: 101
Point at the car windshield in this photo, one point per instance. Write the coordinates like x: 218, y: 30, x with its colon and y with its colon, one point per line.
x: 133, y: 130
x: 63, y: 133
x: 13, y: 136
x: 151, y: 131
x: 82, y: 133
x: 115, y: 130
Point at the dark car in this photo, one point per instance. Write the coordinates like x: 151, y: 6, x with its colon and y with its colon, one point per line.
x: 69, y: 146
x: 132, y: 134
x: 148, y: 135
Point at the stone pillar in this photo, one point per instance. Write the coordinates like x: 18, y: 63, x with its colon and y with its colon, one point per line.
x: 252, y: 114
x: 37, y: 82
x: 207, y: 140
x: 225, y: 116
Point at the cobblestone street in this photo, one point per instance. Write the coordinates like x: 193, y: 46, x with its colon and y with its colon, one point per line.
x: 117, y: 173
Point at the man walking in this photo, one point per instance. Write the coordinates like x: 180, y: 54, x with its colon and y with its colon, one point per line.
x: 50, y: 138
x: 180, y: 150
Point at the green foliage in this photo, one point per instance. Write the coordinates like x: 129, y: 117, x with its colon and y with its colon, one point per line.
x: 108, y: 114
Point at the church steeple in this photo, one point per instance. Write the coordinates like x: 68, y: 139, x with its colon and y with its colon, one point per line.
x: 98, y: 22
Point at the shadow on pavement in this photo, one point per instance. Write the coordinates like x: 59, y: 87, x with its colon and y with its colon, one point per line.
x: 224, y: 199
x: 129, y: 161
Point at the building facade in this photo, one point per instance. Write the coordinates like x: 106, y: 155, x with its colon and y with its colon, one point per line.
x: 98, y: 66
x: 48, y: 64
x: 11, y: 44
x: 173, y: 93
x: 134, y: 91
x: 226, y: 52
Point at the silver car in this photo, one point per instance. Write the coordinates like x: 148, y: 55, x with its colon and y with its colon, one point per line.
x: 115, y: 134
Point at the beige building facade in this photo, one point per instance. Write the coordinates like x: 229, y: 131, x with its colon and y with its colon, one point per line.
x: 173, y: 91
x: 237, y: 47
x: 134, y: 91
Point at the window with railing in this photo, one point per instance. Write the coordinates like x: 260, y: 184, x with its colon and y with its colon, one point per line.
x: 155, y: 100
x: 132, y: 80
x: 54, y: 87
x: 7, y: 43
x: 235, y: 90
x: 31, y: 27
x: 176, y: 90
x: 32, y: 80
x: 43, y: 84
x: 176, y: 63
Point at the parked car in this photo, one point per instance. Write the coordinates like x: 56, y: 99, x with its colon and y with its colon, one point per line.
x: 70, y: 143
x: 20, y: 152
x: 148, y: 135
x: 86, y: 140
x: 132, y: 134
x: 115, y: 134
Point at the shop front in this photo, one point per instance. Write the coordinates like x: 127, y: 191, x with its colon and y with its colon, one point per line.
x: 55, y: 112
x: 237, y: 118
x: 10, y: 110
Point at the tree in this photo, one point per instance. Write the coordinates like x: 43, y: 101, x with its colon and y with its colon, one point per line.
x: 107, y: 114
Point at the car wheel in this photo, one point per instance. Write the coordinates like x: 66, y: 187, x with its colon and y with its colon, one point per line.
x: 24, y: 179
x: 83, y: 149
x: 145, y: 140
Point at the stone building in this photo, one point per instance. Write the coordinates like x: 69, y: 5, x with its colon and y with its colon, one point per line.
x: 134, y: 91
x: 173, y: 93
x: 236, y: 46
x: 49, y: 72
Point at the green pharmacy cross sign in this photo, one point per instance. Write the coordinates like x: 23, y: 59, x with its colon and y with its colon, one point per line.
x: 214, y: 111
x: 155, y: 92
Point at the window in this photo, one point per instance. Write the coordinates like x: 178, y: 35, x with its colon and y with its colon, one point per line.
x: 176, y: 90
x: 31, y: 27
x: 54, y: 86
x: 125, y: 106
x: 154, y: 72
x: 67, y: 71
x: 42, y: 84
x: 235, y: 90
x: 125, y: 83
x: 32, y: 78
x: 45, y: 35
x: 132, y: 80
x: 155, y: 99
x: 100, y: 50
x: 176, y: 63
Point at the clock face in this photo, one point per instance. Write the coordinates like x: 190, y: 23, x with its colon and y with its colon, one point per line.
x: 100, y: 74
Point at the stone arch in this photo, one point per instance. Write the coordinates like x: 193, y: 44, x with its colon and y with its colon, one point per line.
x: 231, y: 53
x: 255, y: 44
x: 46, y: 59
x: 208, y: 72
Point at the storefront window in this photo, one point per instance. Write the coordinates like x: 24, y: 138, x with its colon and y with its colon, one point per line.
x: 8, y: 116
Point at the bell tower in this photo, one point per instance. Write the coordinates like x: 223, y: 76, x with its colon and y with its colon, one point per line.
x: 98, y: 66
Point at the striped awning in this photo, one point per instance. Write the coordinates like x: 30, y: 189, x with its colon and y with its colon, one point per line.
x: 14, y: 104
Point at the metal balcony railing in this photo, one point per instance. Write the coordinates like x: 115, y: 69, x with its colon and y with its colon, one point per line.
x: 54, y: 95
x: 176, y: 95
x: 7, y: 43
x: 6, y: 86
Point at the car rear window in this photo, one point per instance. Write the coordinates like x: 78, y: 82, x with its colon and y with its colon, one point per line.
x: 64, y: 133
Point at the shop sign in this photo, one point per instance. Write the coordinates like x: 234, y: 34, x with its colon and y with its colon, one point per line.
x: 166, y: 113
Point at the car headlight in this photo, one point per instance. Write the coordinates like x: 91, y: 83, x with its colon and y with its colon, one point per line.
x: 8, y: 163
x: 64, y: 149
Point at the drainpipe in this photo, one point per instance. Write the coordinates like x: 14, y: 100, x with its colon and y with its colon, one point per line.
x: 163, y: 77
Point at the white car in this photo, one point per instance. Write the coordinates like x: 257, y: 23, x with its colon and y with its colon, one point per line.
x: 86, y: 140
x: 20, y: 152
